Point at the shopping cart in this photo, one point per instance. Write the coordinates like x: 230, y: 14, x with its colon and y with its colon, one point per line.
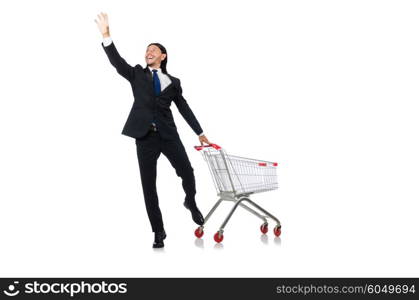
x: 235, y: 179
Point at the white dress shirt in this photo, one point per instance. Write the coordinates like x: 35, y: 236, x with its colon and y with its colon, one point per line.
x: 164, y: 79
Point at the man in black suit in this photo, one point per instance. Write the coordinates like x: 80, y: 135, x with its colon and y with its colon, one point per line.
x: 151, y: 123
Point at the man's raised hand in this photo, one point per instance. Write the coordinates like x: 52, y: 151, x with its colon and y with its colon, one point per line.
x: 103, y: 24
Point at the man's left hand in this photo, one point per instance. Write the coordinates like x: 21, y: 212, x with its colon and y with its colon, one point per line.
x: 203, y: 139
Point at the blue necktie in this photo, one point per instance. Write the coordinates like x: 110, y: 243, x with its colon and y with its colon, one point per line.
x: 157, y: 88
x: 156, y: 83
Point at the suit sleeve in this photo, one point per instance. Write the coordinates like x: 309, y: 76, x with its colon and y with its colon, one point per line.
x: 186, y: 112
x: 121, y: 66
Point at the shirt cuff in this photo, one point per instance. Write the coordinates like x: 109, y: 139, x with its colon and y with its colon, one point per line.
x: 107, y: 41
x: 201, y: 134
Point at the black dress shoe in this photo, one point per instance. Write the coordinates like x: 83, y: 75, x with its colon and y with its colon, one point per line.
x: 196, y: 214
x: 158, y: 239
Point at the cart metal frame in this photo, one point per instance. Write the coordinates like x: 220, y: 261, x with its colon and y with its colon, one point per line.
x: 235, y: 179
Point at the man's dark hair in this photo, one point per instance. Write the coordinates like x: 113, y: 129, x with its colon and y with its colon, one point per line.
x: 164, y: 62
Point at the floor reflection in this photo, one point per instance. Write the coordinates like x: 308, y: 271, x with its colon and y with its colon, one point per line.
x: 264, y: 239
x: 219, y: 246
x: 159, y: 250
x: 199, y: 243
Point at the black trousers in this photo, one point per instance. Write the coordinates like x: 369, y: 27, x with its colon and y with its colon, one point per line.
x: 149, y: 149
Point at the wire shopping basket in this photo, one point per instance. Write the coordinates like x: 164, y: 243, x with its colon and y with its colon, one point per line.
x: 235, y: 179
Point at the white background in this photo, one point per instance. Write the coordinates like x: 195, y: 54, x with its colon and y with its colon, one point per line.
x: 326, y: 88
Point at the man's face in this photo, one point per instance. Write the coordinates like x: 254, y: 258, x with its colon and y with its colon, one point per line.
x: 154, y: 56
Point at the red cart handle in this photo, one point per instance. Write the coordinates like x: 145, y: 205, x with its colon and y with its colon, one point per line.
x: 216, y: 147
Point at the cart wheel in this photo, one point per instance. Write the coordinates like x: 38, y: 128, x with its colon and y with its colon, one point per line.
x: 277, y: 230
x: 264, y: 228
x: 218, y: 237
x: 199, y: 232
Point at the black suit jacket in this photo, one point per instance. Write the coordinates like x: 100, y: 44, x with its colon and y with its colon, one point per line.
x: 148, y: 107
